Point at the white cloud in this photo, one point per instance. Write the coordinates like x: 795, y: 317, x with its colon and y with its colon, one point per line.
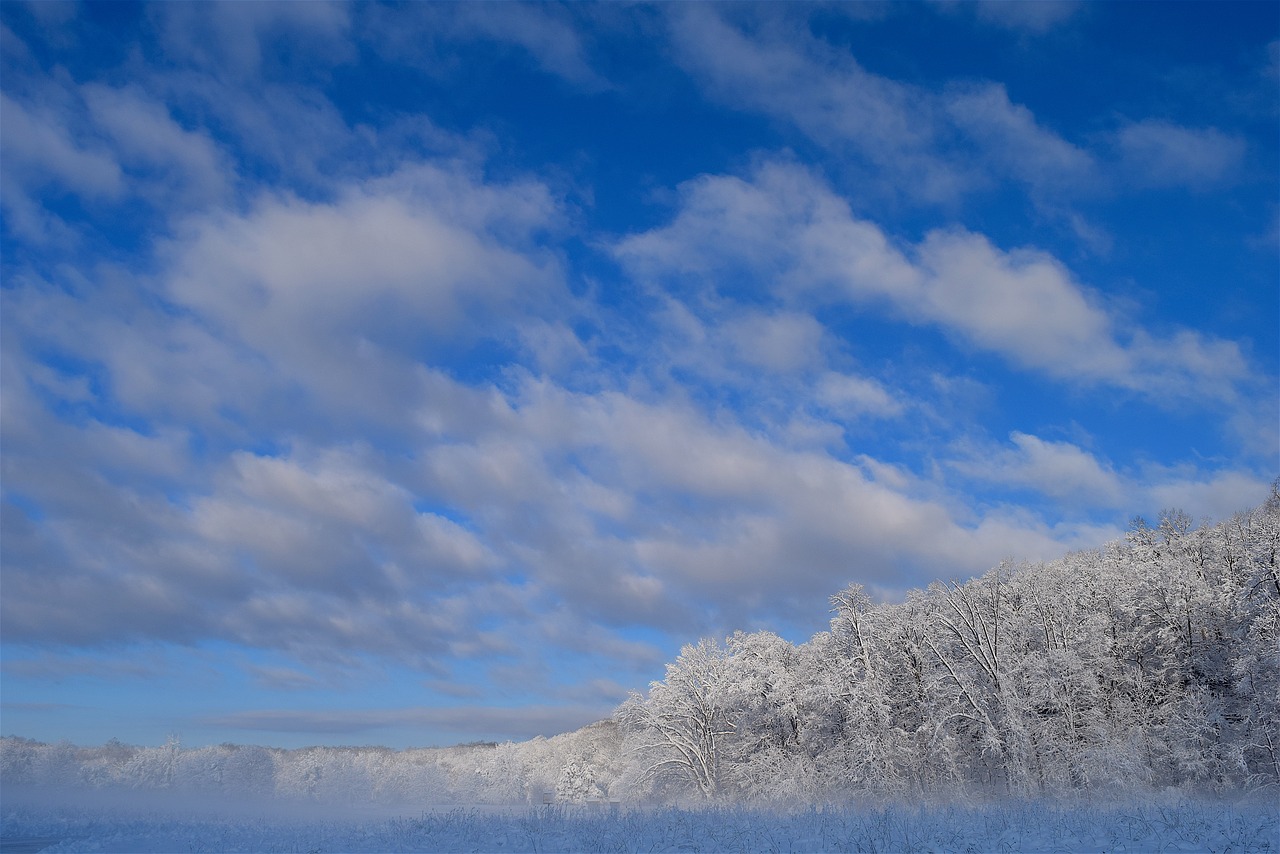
x: 1076, y: 477
x: 785, y: 230
x: 727, y: 345
x: 554, y: 43
x: 916, y: 141
x: 759, y: 523
x: 163, y: 365
x: 38, y: 144
x: 40, y: 151
x: 104, y: 146
x: 144, y: 132
x: 330, y: 524
x: 627, y: 500
x: 782, y: 342
x: 290, y: 134
x: 1156, y: 153
x: 333, y: 295
x: 1012, y: 139
x: 238, y: 38
x: 1204, y: 495
x: 850, y: 396
x: 1030, y: 16
x: 1058, y: 469
x: 828, y: 96
x: 316, y: 552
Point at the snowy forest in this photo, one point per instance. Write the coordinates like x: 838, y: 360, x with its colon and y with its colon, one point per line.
x: 1147, y: 665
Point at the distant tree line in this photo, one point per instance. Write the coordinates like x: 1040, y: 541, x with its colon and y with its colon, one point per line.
x: 574, y: 767
x: 1149, y: 664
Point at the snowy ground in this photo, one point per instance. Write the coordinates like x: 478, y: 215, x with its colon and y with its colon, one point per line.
x: 1023, y: 827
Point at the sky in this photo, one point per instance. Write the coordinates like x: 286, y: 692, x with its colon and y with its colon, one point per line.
x: 427, y: 373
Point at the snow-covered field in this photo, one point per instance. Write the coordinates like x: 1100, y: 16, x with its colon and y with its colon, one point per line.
x: 1021, y: 827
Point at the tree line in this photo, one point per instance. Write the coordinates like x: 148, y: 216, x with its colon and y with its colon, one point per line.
x: 1153, y: 662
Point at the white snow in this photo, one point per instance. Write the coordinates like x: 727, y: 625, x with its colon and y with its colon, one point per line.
x: 1174, y: 826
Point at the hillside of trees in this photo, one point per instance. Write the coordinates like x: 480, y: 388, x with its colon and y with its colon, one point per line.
x: 1150, y: 664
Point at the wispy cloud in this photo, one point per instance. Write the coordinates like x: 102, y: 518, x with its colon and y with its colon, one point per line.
x: 1161, y: 154
x: 828, y: 96
x: 919, y: 142
x: 238, y: 39
x: 1035, y: 18
x: 145, y: 134
x: 1011, y: 139
x: 553, y: 42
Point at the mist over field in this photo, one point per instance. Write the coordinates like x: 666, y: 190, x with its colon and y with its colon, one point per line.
x: 1170, y: 826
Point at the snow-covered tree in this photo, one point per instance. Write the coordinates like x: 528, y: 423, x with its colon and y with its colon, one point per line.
x: 681, y: 729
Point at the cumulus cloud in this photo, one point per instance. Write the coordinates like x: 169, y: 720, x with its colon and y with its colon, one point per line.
x: 852, y: 395
x: 1058, y: 469
x: 149, y: 531
x: 782, y: 342
x: 1021, y: 303
x: 1203, y: 495
x: 759, y: 523
x: 275, y: 559
x: 1071, y: 474
x: 394, y: 271
x: 493, y: 511
x: 322, y: 551
x: 801, y: 241
x: 315, y: 522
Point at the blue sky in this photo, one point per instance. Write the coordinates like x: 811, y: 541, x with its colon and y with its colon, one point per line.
x: 425, y: 373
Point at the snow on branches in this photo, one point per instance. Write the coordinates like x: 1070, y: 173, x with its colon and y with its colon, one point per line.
x: 1150, y: 663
